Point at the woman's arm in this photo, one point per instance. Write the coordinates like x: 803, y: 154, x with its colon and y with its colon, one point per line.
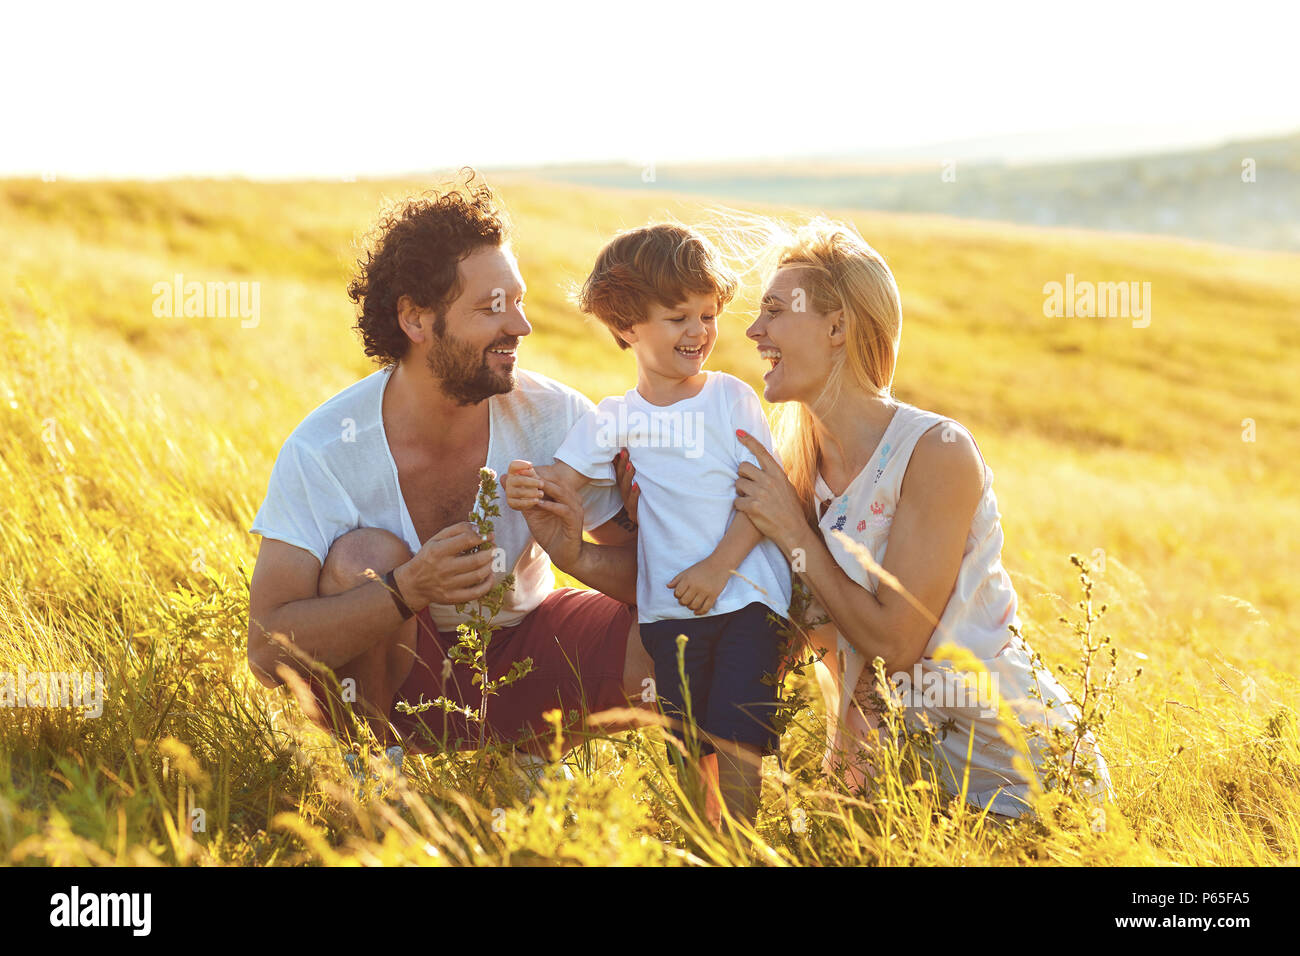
x: 927, y: 539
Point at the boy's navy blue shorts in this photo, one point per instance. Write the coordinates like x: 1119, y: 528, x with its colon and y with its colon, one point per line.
x: 727, y: 656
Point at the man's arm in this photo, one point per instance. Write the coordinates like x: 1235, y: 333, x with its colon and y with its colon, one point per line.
x: 622, y: 528
x: 610, y: 569
x: 617, y: 531
x: 332, y: 630
x: 614, y: 548
x: 556, y: 525
x: 284, y: 600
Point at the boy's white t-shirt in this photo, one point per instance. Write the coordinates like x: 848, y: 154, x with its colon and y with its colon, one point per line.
x: 686, y: 457
x: 335, y: 473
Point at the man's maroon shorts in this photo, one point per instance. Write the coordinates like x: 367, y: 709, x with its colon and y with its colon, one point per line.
x: 578, y: 644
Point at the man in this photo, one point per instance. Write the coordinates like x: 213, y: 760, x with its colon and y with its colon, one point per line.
x: 382, y: 477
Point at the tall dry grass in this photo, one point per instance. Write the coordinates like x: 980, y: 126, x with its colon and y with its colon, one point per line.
x: 134, y: 451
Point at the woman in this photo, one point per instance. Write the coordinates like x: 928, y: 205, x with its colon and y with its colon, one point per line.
x: 863, y: 471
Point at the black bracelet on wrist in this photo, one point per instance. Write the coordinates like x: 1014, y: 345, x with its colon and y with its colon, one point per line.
x: 396, y: 593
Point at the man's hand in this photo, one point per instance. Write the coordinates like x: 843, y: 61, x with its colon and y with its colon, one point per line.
x: 699, y: 585
x: 555, y: 521
x: 447, y: 570
x: 522, y: 485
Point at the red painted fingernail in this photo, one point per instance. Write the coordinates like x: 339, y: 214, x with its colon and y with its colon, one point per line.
x: 634, y: 484
x: 740, y: 434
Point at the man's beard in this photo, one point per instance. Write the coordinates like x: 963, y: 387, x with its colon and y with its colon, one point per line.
x: 463, y: 372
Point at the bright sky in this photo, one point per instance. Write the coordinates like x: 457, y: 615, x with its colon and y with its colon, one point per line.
x: 371, y: 87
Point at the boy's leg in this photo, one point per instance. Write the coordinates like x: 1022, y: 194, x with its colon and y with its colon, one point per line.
x: 673, y: 697
x: 740, y: 777
x: 712, y: 789
x: 677, y: 699
x: 742, y: 702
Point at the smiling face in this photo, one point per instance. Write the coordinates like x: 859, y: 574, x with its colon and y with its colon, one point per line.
x: 471, y: 348
x: 671, y: 345
x: 798, y: 343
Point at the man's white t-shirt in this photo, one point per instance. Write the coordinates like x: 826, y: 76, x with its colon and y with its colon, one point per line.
x: 686, y: 457
x: 335, y: 473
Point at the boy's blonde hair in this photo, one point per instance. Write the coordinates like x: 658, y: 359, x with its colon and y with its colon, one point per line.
x: 664, y: 263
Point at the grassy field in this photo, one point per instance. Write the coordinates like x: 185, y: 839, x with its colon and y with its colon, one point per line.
x: 135, y: 449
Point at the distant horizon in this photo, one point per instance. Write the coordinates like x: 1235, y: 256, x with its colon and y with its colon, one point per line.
x: 1032, y: 151
x: 992, y: 149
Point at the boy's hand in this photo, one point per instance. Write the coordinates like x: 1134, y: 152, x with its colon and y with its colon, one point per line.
x: 522, y: 485
x: 699, y: 585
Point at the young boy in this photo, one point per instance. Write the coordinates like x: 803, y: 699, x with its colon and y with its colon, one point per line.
x: 659, y: 290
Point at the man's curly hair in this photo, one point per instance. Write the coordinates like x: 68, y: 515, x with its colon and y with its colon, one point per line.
x: 418, y: 247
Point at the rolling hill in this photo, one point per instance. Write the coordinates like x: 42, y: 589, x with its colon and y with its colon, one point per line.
x: 1244, y: 193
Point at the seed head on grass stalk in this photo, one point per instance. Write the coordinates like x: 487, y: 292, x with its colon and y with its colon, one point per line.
x: 1070, y: 753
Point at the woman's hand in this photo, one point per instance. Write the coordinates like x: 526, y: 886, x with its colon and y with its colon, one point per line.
x: 625, y: 476
x: 768, y: 498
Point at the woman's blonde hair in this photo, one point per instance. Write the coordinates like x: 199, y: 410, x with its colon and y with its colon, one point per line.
x: 840, y: 271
